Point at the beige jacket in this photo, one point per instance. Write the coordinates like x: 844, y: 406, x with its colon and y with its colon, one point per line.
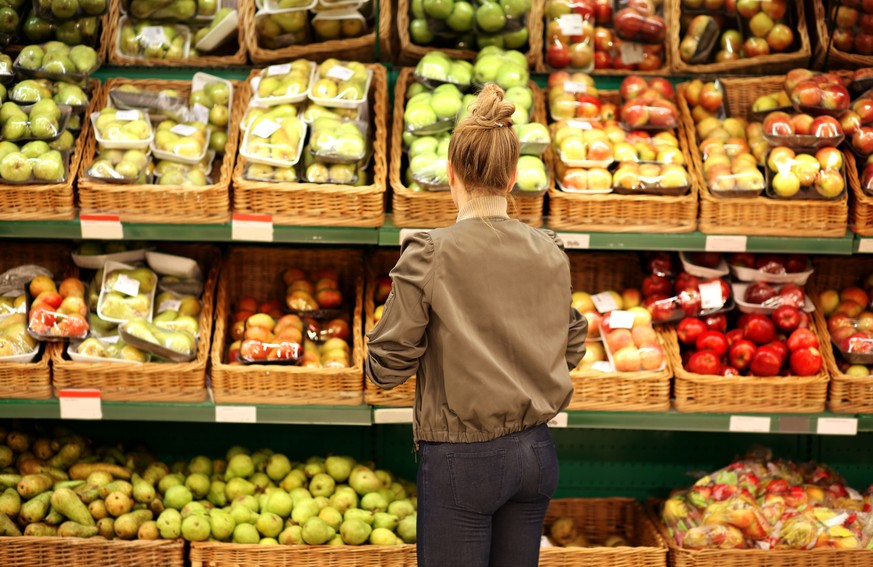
x: 480, y: 313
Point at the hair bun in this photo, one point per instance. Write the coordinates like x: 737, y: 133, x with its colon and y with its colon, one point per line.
x: 491, y: 109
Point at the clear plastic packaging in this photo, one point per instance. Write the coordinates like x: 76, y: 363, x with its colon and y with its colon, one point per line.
x: 533, y: 179
x: 649, y: 113
x: 341, y: 84
x: 437, y: 68
x: 277, y: 5
x: 44, y: 120
x: 817, y: 93
x: 283, y: 28
x: 7, y: 72
x: 16, y: 344
x: 106, y: 349
x: 186, y: 175
x: 335, y: 173
x: 262, y: 172
x: 690, y: 296
x: 30, y: 91
x: 632, y: 178
x: 59, y: 11
x: 57, y: 62
x: 854, y: 343
x: 779, y: 269
x: 590, y: 181
x: 334, y: 25
x: 174, y: 346
x: 570, y: 36
x: 582, y: 148
x: 803, y: 175
x: 126, y: 293
x: 640, y: 20
x: 148, y: 40
x: 332, y: 141
x: 286, y: 83
x: 211, y: 101
x: 630, y: 345
x: 181, y: 286
x: 701, y: 37
x: 34, y: 164
x: 172, y: 11
x: 172, y: 320
x: 314, y: 111
x: 802, y: 131
x: 773, y: 102
x: 120, y: 167
x: 276, y: 141
x: 750, y: 297
x: 12, y: 303
x: 122, y: 129
x: 184, y: 143
x: 57, y: 311
x: 167, y: 103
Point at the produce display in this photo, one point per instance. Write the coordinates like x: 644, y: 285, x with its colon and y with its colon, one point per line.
x: 57, y: 311
x: 472, y: 25
x: 564, y: 532
x: 850, y: 326
x: 44, y: 120
x: 34, y: 162
x: 436, y: 68
x: 284, y: 23
x: 853, y: 32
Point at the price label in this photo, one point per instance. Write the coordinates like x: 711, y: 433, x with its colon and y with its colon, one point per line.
x: 575, y: 241
x: 340, y: 73
x: 604, y: 302
x: 110, y: 340
x: 710, y: 295
x: 579, y: 124
x: 837, y: 426
x: 266, y: 128
x: 749, y: 424
x: 865, y: 246
x: 152, y: 34
x: 571, y: 24
x: 126, y: 285
x: 169, y: 305
x: 393, y: 415
x: 128, y: 115
x: 836, y: 520
x: 183, y: 129
x: 722, y: 243
x: 632, y: 53
x: 201, y: 113
x: 559, y: 420
x: 282, y: 69
x: 101, y: 227
x: 236, y: 414
x: 256, y: 228
x: 544, y: 542
x: 603, y: 366
x: 621, y: 320
x: 80, y: 404
x: 405, y: 233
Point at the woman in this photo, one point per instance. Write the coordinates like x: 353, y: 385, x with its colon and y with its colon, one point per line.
x: 480, y: 311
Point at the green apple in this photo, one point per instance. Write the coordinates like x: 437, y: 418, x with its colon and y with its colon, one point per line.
x: 416, y: 8
x: 434, y: 65
x: 485, y: 40
x: 510, y: 75
x: 531, y: 174
x: 520, y: 96
x: 446, y: 104
x: 438, y: 9
x: 420, y: 32
x: 515, y: 9
x: 419, y: 116
x: 461, y: 18
x: 490, y: 17
x: 520, y: 116
x: 461, y: 73
x: 515, y: 39
x: 486, y: 67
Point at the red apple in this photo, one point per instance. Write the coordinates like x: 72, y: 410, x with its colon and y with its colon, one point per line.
x: 759, y: 293
x: 802, y: 338
x: 716, y: 322
x: 689, y: 329
x: 734, y: 335
x: 714, y: 341
x: 759, y: 329
x: 856, y: 294
x: 632, y: 87
x: 792, y: 294
x: 825, y: 127
x: 704, y: 362
x: 741, y: 353
x: 765, y: 362
x: 806, y: 362
x: 657, y: 285
x: 786, y: 318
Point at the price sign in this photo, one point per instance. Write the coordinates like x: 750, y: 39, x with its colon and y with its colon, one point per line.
x: 710, y: 295
x: 722, y: 243
x: 604, y: 302
x: 80, y: 404
x: 236, y: 414
x: 101, y: 227
x: 255, y: 228
x: 749, y: 424
x: 573, y: 241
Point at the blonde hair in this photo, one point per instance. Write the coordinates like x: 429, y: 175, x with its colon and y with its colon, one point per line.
x: 484, y: 148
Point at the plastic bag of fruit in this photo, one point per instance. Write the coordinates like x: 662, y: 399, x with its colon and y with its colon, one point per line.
x: 570, y: 34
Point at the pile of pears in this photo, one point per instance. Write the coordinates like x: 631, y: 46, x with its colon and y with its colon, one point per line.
x: 186, y: 140
x: 177, y: 11
x: 120, y: 165
x: 42, y: 121
x: 59, y: 60
x: 215, y: 98
x: 115, y: 303
x: 66, y: 9
x: 138, y: 40
x: 35, y: 161
x: 111, y: 128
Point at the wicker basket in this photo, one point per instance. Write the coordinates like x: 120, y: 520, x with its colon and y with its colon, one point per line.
x: 860, y: 202
x: 626, y: 213
x: 354, y: 49
x: 162, y: 204
x: 26, y: 551
x: 380, y: 263
x: 758, y: 216
x: 388, y: 44
x: 614, y: 391
x: 150, y: 382
x: 410, y: 53
x: 826, y: 55
x: 32, y: 380
x: 598, y: 519
x: 257, y: 272
x: 763, y: 65
x: 232, y: 54
x: 208, y: 554
x: 53, y: 201
x: 434, y: 209
x: 317, y: 204
x: 746, y: 394
x: 848, y: 394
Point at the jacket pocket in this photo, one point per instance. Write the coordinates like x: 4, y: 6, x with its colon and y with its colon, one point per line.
x: 477, y: 479
x: 547, y: 458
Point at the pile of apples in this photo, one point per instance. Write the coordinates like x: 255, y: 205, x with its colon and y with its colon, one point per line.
x: 819, y: 93
x: 633, y: 349
x: 570, y: 34
x: 854, y: 27
x: 790, y: 172
x: 780, y: 127
x: 648, y: 104
x: 612, y: 52
x: 57, y: 311
x: 628, y: 300
x: 668, y: 298
x: 756, y: 345
x: 465, y: 25
x: 312, y: 291
x: 850, y: 324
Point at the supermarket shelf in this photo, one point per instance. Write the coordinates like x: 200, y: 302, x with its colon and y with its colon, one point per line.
x: 197, y: 412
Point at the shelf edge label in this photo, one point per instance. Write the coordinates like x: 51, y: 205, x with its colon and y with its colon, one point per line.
x: 236, y: 414
x: 392, y: 415
x: 837, y: 426
x: 575, y: 241
x: 256, y: 228
x: 865, y: 245
x: 101, y: 227
x: 749, y: 424
x: 559, y: 420
x: 80, y: 404
x: 725, y: 243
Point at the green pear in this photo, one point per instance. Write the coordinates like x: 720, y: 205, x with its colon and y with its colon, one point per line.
x: 222, y: 524
x: 292, y: 535
x: 365, y: 516
x: 279, y: 503
x: 355, y: 532
x: 322, y: 485
x: 382, y: 536
x: 303, y: 510
x: 363, y: 480
x: 331, y: 516
x: 195, y: 528
x: 177, y: 497
x: 170, y: 524
x: 30, y: 57
x: 245, y: 534
x: 198, y: 484
x: 239, y: 466
x: 269, y: 524
x: 406, y: 528
x: 316, y: 531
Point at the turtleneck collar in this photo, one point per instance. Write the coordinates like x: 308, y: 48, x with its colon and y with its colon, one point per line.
x: 489, y: 207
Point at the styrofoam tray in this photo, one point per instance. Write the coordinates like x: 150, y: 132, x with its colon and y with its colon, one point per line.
x: 97, y: 262
x: 220, y: 33
x: 703, y: 271
x: 108, y: 269
x: 123, y: 144
x: 341, y: 103
x: 739, y: 292
x: 289, y: 99
x: 171, y: 265
x: 76, y: 357
x: 754, y: 275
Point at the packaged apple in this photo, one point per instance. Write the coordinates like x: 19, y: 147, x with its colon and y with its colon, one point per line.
x: 57, y: 61
x: 533, y: 138
x: 16, y: 344
x: 148, y: 40
x: 648, y: 105
x: 428, y: 170
x: 222, y: 27
x: 341, y: 84
x: 801, y: 175
x: 578, y: 144
x: 570, y: 35
x: 705, y: 99
x: 763, y: 297
x: 33, y: 163
x: 434, y: 112
x: 437, y: 68
x: 590, y: 181
x: 126, y: 293
x: 284, y: 84
x: 185, y: 142
x: 172, y: 346
x: 505, y: 67
x: 94, y: 255
x: 282, y: 28
x: 56, y: 311
x: 106, y: 349
x: 274, y: 140
x: 263, y: 339
x: 642, y: 147
x: 631, y: 343
x: 817, y: 93
x: 612, y: 52
x: 334, y: 173
x: 43, y: 120
x: 315, y: 294
x: 122, y: 129
x: 640, y: 20
x: 689, y: 295
x: 333, y: 25
x: 772, y: 268
x: 704, y: 264
x: 802, y: 131
x: 701, y: 37
x: 574, y: 95
x: 533, y: 179
x: 633, y: 178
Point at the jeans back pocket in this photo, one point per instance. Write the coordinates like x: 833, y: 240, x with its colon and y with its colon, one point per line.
x: 547, y: 458
x: 477, y: 479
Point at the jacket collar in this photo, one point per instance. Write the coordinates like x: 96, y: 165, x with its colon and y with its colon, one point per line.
x: 492, y: 206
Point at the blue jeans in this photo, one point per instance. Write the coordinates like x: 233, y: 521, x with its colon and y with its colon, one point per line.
x: 483, y: 504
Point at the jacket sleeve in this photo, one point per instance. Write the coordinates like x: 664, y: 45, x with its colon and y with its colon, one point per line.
x: 576, y: 341
x: 398, y: 340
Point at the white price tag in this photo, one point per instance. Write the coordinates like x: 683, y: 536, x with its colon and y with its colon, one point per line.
x: 603, y: 366
x: 169, y: 305
x: 340, y: 73
x: 153, y: 34
x: 570, y: 24
x: 836, y: 520
x: 183, y: 129
x: 723, y: 243
x: 710, y: 295
x: 128, y: 115
x: 392, y: 415
x: 632, y: 53
x: 201, y: 113
x: 110, y: 340
x: 559, y: 420
x: 266, y: 128
x: 865, y: 246
x: 750, y: 424
x: 236, y: 414
x: 837, y: 426
x: 407, y: 232
x: 604, y: 302
x: 282, y: 69
x: 126, y: 285
x: 621, y: 320
x: 574, y: 241
x: 101, y: 227
x: 257, y: 228
x: 544, y: 542
x: 80, y: 404
x: 579, y: 124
